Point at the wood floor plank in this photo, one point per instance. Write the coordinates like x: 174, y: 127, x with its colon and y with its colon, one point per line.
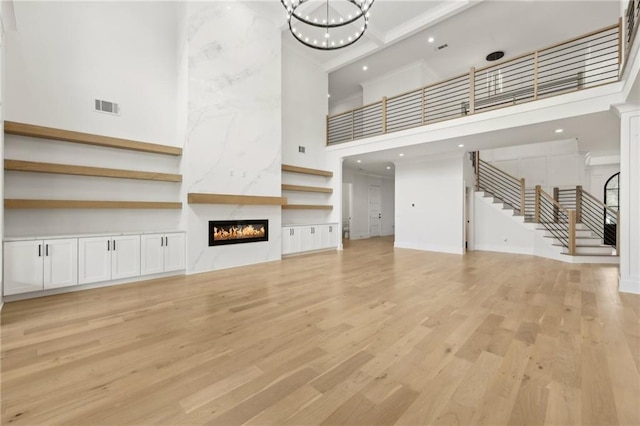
x: 370, y: 335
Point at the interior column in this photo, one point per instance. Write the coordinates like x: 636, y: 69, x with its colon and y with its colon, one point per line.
x: 629, y: 199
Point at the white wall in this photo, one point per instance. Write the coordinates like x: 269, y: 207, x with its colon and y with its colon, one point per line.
x: 429, y: 204
x: 66, y: 54
x: 61, y: 57
x: 360, y: 182
x: 597, y: 177
x: 234, y: 128
x: 401, y: 80
x: 548, y: 164
x: 304, y: 111
x: 352, y: 102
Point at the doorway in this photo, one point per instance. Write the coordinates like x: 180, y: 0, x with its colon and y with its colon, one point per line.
x: 375, y: 210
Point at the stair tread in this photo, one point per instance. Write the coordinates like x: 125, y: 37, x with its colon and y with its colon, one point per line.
x: 578, y: 245
x: 590, y: 254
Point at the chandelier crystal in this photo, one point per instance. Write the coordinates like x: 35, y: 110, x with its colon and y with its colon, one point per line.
x: 324, y: 27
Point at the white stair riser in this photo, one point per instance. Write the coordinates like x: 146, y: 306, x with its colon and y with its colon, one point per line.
x: 579, y: 233
x: 583, y: 241
x: 591, y: 250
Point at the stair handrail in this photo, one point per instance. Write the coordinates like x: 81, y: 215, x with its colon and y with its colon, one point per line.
x: 603, y: 205
x: 571, y: 219
x: 514, y: 195
x: 593, y: 202
x: 500, y: 171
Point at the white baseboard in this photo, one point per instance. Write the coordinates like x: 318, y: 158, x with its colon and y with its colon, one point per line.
x: 504, y: 249
x: 82, y: 287
x: 428, y: 247
x: 629, y: 285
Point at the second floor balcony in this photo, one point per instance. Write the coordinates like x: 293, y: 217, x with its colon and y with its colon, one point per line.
x: 584, y: 62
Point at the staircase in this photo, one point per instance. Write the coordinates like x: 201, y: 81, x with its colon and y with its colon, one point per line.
x: 572, y: 225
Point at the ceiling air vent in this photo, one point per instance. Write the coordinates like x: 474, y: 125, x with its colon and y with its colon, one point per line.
x: 107, y: 107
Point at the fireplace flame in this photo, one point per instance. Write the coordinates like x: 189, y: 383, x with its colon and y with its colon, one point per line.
x: 237, y: 233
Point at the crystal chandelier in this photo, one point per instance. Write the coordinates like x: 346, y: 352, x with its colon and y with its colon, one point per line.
x: 325, y: 28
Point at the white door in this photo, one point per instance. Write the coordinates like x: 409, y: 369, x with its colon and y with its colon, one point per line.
x: 22, y: 267
x: 174, y: 252
x: 333, y: 235
x: 94, y: 259
x: 60, y: 263
x: 295, y: 242
x: 347, y: 209
x: 152, y: 254
x: 125, y: 256
x: 375, y: 210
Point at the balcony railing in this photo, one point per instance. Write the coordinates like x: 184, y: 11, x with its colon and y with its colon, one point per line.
x: 632, y: 21
x: 583, y: 62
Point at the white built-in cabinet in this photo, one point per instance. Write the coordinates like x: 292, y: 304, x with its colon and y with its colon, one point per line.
x: 42, y: 264
x: 305, y: 238
x: 108, y: 258
x: 162, y: 253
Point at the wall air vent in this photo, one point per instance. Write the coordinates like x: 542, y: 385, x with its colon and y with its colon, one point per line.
x: 107, y: 107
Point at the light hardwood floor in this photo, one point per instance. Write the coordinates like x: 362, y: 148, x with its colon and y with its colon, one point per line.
x: 367, y: 336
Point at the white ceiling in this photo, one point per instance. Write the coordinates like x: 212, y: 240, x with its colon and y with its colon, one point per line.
x: 516, y: 27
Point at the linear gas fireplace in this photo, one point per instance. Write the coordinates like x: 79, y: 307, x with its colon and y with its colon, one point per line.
x: 238, y: 231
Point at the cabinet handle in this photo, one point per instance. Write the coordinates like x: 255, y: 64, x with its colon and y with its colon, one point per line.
x: 331, y: 229
x: 46, y: 250
x: 161, y: 241
x: 39, y: 250
x: 114, y: 245
x: 108, y: 245
x: 166, y: 241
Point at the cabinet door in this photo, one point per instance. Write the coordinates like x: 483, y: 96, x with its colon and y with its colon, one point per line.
x: 332, y: 232
x: 316, y: 238
x: 94, y: 259
x: 174, y: 252
x: 22, y: 267
x: 60, y: 263
x: 152, y: 254
x: 306, y: 238
x: 125, y: 256
x: 296, y: 239
x: 286, y: 240
x: 324, y: 236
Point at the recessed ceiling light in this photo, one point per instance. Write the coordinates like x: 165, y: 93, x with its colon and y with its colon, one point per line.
x: 364, y: 68
x: 328, y: 95
x: 461, y: 145
x: 388, y: 167
x: 401, y: 155
x: 431, y: 39
x: 359, y: 161
x: 559, y: 130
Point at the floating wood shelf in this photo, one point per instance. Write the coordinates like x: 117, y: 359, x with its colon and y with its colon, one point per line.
x: 306, y: 188
x: 22, y: 129
x: 82, y: 204
x: 306, y: 207
x: 31, y: 166
x: 304, y: 170
x: 200, y: 198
